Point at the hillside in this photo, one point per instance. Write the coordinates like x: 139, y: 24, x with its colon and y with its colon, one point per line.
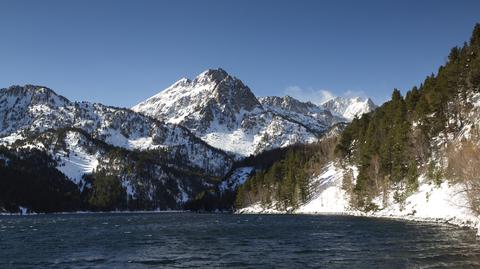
x: 414, y: 156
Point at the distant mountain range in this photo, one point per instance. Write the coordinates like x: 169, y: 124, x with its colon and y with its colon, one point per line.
x: 223, y: 112
x: 169, y: 148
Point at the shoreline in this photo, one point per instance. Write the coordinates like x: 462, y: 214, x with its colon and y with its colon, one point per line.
x: 458, y: 222
x: 443, y: 203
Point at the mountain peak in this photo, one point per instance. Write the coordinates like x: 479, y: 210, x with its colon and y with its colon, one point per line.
x: 29, y: 88
x: 181, y: 82
x: 349, y: 108
x: 35, y: 93
x: 212, y: 94
x: 212, y: 75
x: 214, y: 72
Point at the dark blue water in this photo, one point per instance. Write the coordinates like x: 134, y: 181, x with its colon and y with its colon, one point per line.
x: 187, y: 240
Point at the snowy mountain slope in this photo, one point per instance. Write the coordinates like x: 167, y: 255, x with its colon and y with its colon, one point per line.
x: 75, y: 161
x: 307, y: 114
x: 213, y: 93
x: 151, y: 178
x: 223, y: 112
x: 30, y: 110
x: 32, y: 107
x: 348, y: 108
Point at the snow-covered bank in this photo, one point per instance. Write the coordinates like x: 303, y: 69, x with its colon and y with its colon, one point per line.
x: 446, y: 203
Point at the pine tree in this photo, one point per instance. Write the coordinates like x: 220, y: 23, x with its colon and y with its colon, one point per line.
x: 108, y: 193
x: 412, y: 177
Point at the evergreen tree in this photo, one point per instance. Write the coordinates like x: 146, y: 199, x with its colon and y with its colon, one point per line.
x: 108, y: 193
x: 412, y: 177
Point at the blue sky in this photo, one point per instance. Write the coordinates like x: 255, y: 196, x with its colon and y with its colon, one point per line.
x: 121, y: 52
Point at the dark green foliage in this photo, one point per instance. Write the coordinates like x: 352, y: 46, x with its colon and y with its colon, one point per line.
x: 157, y: 178
x: 107, y: 193
x: 267, y: 158
x: 212, y: 200
x: 32, y: 181
x: 284, y: 184
x: 412, y: 177
x: 434, y: 173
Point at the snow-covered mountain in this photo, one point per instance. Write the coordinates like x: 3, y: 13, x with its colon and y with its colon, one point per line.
x: 151, y: 179
x: 313, y: 117
x: 31, y: 110
x: 160, y: 165
x: 348, y: 108
x: 223, y: 112
x: 167, y: 149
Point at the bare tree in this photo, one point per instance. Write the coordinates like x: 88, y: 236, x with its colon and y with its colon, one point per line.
x: 464, y: 167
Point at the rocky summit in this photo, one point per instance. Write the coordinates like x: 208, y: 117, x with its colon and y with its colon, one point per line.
x: 222, y: 111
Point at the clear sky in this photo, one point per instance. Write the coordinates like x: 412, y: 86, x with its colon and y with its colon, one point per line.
x: 121, y: 52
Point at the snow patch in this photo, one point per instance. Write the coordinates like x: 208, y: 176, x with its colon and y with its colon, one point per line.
x: 183, y: 197
x: 130, y: 190
x: 10, y: 139
x: 77, y: 161
x: 329, y: 197
x: 258, y: 209
x: 446, y: 202
x: 23, y: 210
x: 238, y: 177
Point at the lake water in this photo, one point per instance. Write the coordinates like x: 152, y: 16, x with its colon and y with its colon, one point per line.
x: 186, y: 240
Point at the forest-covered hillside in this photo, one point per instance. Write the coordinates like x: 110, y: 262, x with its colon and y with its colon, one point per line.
x: 427, y: 131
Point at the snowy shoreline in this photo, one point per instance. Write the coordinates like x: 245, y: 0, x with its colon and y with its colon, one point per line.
x: 453, y: 222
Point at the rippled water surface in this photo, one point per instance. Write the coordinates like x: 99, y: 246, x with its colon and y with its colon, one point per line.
x: 185, y: 240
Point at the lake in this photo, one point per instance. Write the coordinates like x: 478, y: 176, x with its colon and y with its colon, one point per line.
x: 186, y: 240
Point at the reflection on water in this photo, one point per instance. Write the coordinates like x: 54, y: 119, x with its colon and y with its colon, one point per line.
x: 184, y: 240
